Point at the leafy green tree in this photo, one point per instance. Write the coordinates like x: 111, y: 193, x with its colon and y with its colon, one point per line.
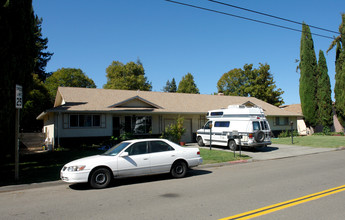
x: 324, y: 93
x: 17, y: 57
x: 38, y: 101
x: 170, y: 86
x: 308, y: 77
x: 68, y: 77
x: 233, y: 83
x: 251, y: 82
x: 187, y: 85
x: 339, y: 87
x: 130, y: 76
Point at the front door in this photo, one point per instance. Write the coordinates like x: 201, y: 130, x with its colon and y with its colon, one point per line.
x: 116, y: 126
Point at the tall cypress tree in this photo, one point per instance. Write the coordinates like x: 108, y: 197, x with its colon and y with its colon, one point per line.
x: 339, y: 88
x: 308, y: 77
x: 324, y: 93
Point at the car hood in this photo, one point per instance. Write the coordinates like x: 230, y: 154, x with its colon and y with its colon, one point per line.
x: 91, y: 160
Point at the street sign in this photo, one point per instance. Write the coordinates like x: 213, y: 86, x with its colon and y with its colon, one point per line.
x: 19, y: 97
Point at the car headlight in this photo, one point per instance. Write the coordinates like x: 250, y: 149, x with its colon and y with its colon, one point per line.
x: 75, y: 168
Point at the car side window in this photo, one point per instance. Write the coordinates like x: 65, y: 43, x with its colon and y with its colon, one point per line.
x: 137, y: 148
x: 159, y: 146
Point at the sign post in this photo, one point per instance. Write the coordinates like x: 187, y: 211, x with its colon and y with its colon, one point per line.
x: 210, y: 136
x: 19, y: 105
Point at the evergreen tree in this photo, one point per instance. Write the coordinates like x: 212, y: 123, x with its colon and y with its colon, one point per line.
x: 187, y: 85
x: 17, y: 58
x: 339, y: 88
x: 170, y: 86
x: 173, y: 87
x: 130, y: 76
x: 324, y: 93
x: 308, y: 77
x: 167, y: 86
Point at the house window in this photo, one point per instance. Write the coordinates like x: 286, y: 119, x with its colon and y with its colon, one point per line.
x: 82, y: 121
x: 282, y: 120
x: 138, y: 124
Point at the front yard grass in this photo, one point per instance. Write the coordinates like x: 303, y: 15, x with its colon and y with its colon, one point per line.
x: 313, y: 141
x: 216, y: 156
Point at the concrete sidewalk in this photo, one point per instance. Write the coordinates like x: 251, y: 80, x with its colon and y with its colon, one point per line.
x: 277, y: 151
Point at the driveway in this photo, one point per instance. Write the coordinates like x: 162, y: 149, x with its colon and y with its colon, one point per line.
x: 275, y: 151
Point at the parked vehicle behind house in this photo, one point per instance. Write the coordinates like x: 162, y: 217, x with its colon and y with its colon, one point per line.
x: 235, y: 126
x: 132, y: 158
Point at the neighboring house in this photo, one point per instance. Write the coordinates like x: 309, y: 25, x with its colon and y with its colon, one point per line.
x: 301, y: 126
x: 84, y: 114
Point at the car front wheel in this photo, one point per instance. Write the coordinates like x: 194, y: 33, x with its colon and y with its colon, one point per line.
x: 100, y: 178
x: 179, y: 169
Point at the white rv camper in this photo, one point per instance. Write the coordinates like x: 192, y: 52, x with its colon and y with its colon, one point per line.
x: 237, y: 125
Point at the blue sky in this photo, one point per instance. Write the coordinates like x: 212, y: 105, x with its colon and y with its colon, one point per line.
x: 172, y: 40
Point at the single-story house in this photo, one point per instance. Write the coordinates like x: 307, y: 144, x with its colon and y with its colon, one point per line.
x: 88, y: 114
x: 301, y: 126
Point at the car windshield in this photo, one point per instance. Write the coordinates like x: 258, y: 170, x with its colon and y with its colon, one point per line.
x: 116, y: 149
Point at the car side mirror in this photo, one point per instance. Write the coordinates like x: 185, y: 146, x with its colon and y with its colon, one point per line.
x: 124, y: 154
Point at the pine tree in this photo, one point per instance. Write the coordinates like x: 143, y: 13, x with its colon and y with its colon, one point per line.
x: 167, y: 86
x: 324, y: 93
x: 308, y: 77
x: 187, y: 85
x: 173, y: 87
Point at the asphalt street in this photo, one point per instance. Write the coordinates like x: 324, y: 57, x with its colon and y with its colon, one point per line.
x: 206, y: 193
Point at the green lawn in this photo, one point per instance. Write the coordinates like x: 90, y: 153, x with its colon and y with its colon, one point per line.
x: 313, y: 141
x: 216, y: 156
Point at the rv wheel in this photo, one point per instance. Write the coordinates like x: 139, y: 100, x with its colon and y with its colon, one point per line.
x: 232, y: 145
x: 200, y: 142
x: 259, y: 136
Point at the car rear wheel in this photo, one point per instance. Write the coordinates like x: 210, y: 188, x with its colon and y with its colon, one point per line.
x: 179, y: 169
x: 100, y: 178
x: 232, y: 145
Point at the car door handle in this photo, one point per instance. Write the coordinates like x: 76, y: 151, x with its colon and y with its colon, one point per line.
x: 146, y: 158
x: 173, y: 155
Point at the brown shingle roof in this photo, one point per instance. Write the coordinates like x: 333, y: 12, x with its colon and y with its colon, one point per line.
x: 109, y: 100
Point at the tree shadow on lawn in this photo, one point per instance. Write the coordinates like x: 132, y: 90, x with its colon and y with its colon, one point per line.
x: 139, y: 180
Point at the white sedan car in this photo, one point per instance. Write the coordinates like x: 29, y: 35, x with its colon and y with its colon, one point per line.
x: 132, y: 158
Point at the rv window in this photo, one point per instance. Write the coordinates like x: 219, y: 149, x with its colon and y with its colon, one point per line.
x: 223, y: 124
x: 216, y: 113
x: 256, y: 125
